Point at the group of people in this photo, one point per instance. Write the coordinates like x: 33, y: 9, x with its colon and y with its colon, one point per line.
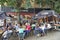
x: 24, y: 30
x: 7, y: 32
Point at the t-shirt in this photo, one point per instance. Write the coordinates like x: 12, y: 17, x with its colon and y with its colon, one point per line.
x: 5, y: 34
x: 28, y: 27
x: 21, y: 30
x: 37, y: 28
x: 48, y: 26
x: 33, y: 25
x: 17, y: 28
x: 10, y: 31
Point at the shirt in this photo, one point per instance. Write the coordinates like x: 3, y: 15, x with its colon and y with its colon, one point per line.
x: 49, y: 26
x: 28, y: 27
x: 33, y: 25
x: 21, y: 30
x: 5, y: 34
x: 17, y: 28
x: 10, y: 31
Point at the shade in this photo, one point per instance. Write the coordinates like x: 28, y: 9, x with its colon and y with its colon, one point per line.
x: 3, y: 15
x: 45, y: 13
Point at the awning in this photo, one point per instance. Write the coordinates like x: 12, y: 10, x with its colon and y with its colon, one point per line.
x: 45, y: 13
x: 3, y: 15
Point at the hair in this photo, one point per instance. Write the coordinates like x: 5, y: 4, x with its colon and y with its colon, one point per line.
x: 20, y: 24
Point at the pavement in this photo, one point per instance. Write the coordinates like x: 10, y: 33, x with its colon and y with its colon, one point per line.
x: 52, y: 35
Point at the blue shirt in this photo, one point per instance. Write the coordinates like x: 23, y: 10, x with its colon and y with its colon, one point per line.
x: 16, y: 27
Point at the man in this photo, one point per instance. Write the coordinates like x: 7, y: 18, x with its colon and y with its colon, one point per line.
x: 4, y: 35
x: 17, y: 29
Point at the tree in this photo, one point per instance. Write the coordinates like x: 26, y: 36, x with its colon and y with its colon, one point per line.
x: 53, y: 4
x: 57, y: 6
x: 13, y: 3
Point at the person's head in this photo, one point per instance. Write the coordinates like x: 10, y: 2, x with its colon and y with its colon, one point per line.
x: 20, y: 24
x: 21, y: 27
x: 16, y: 24
x: 37, y: 24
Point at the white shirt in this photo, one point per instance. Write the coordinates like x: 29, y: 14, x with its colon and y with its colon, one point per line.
x: 10, y: 31
x: 49, y: 26
x: 5, y: 34
x: 42, y: 27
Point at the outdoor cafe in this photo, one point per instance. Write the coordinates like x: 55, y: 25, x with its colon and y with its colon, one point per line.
x: 48, y: 16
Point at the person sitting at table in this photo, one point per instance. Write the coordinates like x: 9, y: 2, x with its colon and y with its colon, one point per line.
x: 38, y: 30
x: 28, y: 29
x: 4, y: 35
x: 48, y: 25
x: 33, y: 26
x: 41, y: 27
x: 17, y: 27
x: 44, y: 28
x: 21, y: 33
x: 9, y: 32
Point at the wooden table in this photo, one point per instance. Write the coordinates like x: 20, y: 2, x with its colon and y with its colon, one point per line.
x: 56, y: 26
x: 1, y: 32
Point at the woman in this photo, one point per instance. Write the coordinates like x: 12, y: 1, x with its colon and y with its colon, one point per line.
x: 28, y: 29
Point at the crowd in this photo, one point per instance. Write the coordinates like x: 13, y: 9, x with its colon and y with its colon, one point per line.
x: 24, y: 30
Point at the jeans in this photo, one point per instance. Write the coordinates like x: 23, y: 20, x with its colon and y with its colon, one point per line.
x: 45, y: 31
x: 27, y: 32
x: 38, y: 31
x: 17, y: 33
x: 4, y: 38
x: 21, y: 36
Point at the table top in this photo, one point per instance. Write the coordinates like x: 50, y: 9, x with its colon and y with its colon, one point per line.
x: 1, y: 31
x: 57, y: 24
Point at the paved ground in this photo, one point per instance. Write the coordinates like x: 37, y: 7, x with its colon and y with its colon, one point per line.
x: 50, y: 36
x: 54, y: 35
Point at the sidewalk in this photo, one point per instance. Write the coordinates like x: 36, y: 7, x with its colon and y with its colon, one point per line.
x: 54, y: 35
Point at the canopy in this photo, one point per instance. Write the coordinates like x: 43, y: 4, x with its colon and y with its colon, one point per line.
x: 45, y: 13
x: 3, y: 15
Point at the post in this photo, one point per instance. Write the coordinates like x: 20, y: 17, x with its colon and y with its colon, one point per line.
x: 47, y: 18
x: 4, y: 22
